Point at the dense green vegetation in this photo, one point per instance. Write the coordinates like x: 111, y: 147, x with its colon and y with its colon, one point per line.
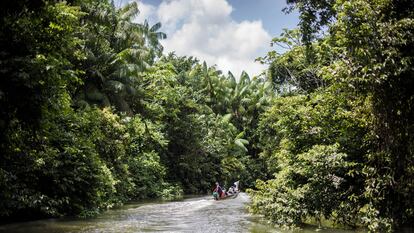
x: 340, y: 145
x: 93, y: 114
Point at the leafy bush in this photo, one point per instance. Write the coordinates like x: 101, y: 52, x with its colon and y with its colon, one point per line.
x: 314, y: 146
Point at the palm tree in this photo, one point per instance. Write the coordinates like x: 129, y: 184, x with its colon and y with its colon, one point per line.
x: 152, y: 38
x: 116, y: 56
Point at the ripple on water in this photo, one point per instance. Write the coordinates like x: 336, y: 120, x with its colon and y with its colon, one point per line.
x: 201, y: 214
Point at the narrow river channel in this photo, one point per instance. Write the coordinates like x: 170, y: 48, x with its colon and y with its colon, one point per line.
x: 200, y: 214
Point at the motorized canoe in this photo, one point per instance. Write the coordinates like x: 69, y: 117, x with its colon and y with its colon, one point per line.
x: 235, y: 192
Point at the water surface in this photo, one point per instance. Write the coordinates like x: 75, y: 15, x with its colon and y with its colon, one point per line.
x: 197, y: 214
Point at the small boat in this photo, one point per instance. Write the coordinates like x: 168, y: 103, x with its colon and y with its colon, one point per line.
x: 232, y: 193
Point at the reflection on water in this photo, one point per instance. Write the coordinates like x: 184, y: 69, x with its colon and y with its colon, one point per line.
x: 200, y: 214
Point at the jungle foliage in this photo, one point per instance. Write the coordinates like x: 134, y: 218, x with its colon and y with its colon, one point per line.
x: 340, y: 141
x: 93, y: 114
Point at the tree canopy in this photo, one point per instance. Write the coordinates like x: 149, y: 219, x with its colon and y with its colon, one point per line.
x: 94, y: 114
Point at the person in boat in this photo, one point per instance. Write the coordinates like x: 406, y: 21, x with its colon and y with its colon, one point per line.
x: 236, y: 186
x: 223, y: 193
x: 218, y: 191
x: 231, y: 190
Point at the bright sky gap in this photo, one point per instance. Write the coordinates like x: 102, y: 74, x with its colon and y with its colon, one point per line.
x: 228, y: 33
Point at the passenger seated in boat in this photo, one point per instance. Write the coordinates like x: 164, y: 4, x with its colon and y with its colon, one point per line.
x: 231, y: 190
x: 218, y: 190
x: 224, y: 193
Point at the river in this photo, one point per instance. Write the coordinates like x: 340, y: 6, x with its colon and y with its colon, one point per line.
x: 196, y: 214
